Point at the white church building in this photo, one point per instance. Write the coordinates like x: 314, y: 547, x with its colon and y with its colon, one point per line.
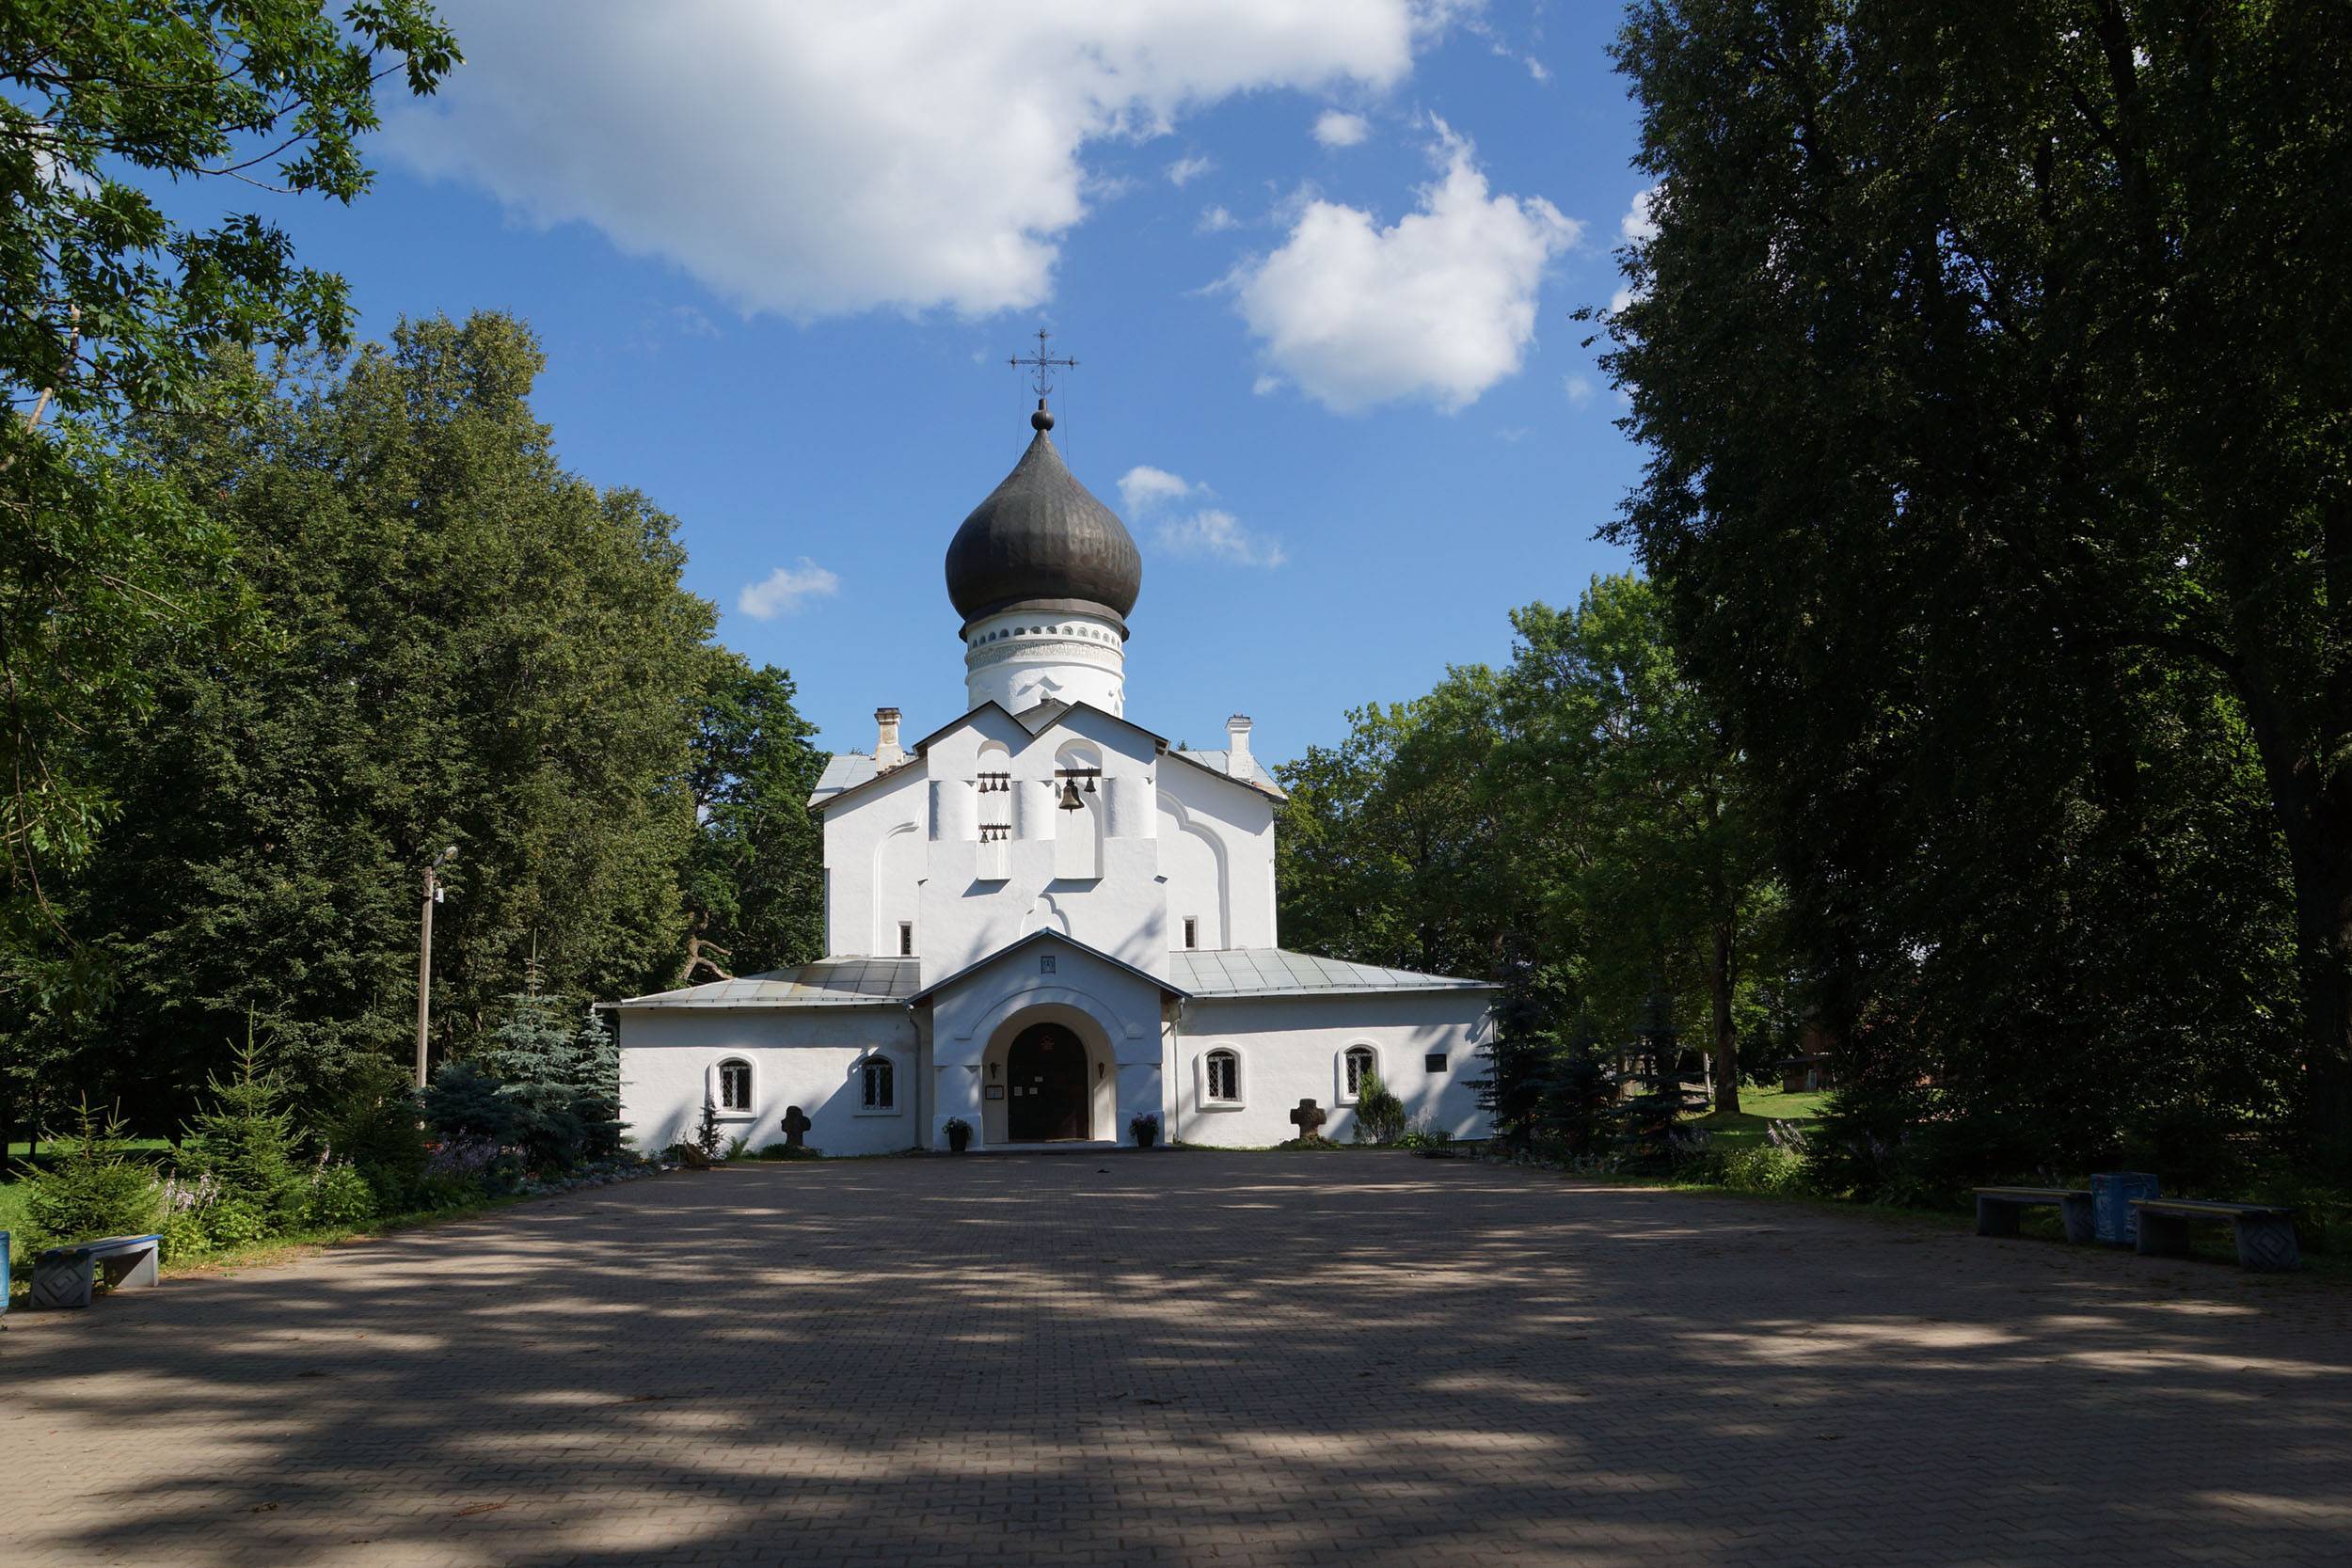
x: 1044, y: 920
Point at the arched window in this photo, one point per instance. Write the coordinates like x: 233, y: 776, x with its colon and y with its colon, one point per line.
x: 877, y: 1088
x: 1223, y: 1073
x: 1358, y: 1063
x: 735, y: 1085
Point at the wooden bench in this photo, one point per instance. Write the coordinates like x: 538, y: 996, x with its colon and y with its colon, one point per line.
x: 68, y: 1275
x: 2266, y: 1235
x: 1998, y: 1207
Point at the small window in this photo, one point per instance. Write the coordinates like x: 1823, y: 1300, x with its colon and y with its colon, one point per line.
x: 906, y: 938
x: 1224, y: 1076
x: 1192, y: 931
x: 1045, y: 964
x: 876, y: 1090
x: 1361, y: 1065
x: 734, y: 1085
x: 1435, y: 1061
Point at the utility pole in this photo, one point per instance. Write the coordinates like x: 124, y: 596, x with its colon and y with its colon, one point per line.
x: 425, y: 953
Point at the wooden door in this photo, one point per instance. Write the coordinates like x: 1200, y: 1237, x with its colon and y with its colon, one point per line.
x: 1047, y: 1093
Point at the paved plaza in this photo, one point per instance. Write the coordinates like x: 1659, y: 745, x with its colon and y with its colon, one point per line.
x: 1183, y: 1358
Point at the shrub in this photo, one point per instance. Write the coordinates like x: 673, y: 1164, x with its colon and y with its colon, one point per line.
x: 1422, y: 1136
x: 1379, y: 1115
x: 235, y: 1222
x: 790, y: 1151
x: 737, y: 1148
x: 708, y: 1137
x: 1763, y: 1168
x: 374, y: 1125
x: 248, y: 1144
x: 183, y: 1234
x: 94, y: 1191
x: 341, y: 1197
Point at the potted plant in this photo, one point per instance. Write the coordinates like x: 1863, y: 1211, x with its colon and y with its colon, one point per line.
x: 1145, y: 1130
x: 959, y: 1133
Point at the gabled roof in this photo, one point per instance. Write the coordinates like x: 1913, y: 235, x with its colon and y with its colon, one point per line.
x: 826, y: 983
x: 852, y: 771
x: 1211, y: 973
x: 1032, y: 939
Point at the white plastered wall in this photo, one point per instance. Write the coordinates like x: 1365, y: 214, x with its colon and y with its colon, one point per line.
x: 874, y: 863
x: 1116, y: 1014
x: 1216, y: 838
x: 1291, y: 1049
x: 808, y: 1057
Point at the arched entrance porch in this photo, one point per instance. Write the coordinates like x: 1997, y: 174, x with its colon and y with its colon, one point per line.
x: 1048, y: 1076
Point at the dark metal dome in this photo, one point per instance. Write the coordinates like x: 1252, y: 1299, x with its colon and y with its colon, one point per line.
x: 1039, y: 538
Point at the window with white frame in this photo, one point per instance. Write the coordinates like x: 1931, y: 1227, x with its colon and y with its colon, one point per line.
x: 735, y: 1085
x: 1358, y: 1063
x: 906, y: 938
x: 1192, y: 930
x: 878, y: 1088
x: 1221, y: 1077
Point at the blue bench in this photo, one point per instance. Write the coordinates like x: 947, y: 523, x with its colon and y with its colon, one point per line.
x: 68, y: 1275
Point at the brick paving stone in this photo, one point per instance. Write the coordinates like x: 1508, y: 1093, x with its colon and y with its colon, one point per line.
x: 1177, y: 1359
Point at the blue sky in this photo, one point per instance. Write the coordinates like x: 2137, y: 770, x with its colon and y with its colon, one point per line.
x: 1316, y: 261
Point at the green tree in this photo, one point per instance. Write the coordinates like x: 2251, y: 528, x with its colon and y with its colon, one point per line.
x: 1999, y: 484
x: 114, y: 306
x: 1656, y: 855
x: 464, y: 645
x: 754, y: 877
x: 247, y: 1142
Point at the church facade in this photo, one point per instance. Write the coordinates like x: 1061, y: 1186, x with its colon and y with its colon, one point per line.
x: 1044, y: 920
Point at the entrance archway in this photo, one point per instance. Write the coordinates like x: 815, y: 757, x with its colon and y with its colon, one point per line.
x: 1048, y: 1093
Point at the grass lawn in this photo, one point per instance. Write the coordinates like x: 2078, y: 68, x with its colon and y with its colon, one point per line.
x: 1757, y: 1108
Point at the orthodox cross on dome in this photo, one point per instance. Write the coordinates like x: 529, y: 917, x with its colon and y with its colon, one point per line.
x: 1041, y: 367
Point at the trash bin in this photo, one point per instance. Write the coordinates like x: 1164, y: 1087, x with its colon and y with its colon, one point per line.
x: 2115, y: 1220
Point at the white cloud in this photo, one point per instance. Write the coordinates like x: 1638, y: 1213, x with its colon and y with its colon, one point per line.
x: 1440, y: 305
x: 1206, y: 530
x: 1336, y: 129
x: 1183, y: 172
x: 783, y: 590
x: 1143, y: 486
x: 815, y: 160
x: 1640, y: 222
x: 1580, y: 391
x: 1216, y: 220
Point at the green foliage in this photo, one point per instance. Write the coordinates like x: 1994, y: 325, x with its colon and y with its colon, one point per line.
x: 1379, y: 1114
x: 339, y: 1197
x: 561, y: 1082
x: 790, y: 1151
x: 94, y: 1191
x: 235, y: 1222
x: 376, y: 1125
x: 1998, y: 499
x: 1766, y: 1169
x: 709, y: 1137
x: 246, y: 1145
x: 465, y: 645
x: 464, y: 1101
x: 753, y: 882
x: 1651, y: 1122
x: 115, y: 305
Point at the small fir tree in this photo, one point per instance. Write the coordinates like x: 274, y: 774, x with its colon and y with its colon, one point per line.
x: 376, y: 1125
x: 1578, y: 1097
x: 94, y: 1191
x: 1652, y: 1117
x: 1379, y: 1114
x: 247, y: 1142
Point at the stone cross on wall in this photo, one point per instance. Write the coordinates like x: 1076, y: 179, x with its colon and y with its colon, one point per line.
x: 1308, y: 1118
x: 796, y: 1126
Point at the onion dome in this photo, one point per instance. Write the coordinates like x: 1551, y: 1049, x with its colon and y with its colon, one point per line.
x: 1040, y: 539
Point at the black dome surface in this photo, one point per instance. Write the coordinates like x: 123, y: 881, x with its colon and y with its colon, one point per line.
x: 1040, y: 536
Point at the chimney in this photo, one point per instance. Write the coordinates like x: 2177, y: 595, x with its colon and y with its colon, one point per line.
x: 887, y: 753
x: 1239, y: 761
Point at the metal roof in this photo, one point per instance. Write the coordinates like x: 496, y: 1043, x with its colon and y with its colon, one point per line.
x: 1210, y: 973
x: 1067, y: 940
x: 827, y: 983
x: 1221, y: 762
x: 1040, y: 535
